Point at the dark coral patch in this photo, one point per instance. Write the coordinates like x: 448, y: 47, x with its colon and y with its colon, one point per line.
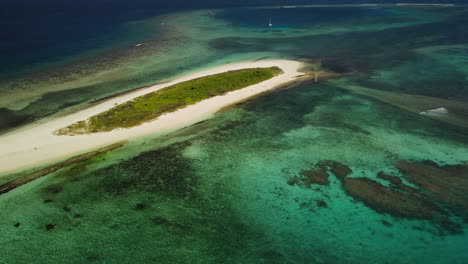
x: 439, y: 189
x: 397, y: 183
x: 390, y: 178
x: 161, y: 171
x: 339, y: 169
x: 140, y: 206
x: 390, y: 201
x: 309, y: 177
x: 446, y: 184
x: 321, y: 203
x: 320, y: 174
x: 315, y: 177
x: 386, y: 223
x: 397, y: 203
x: 50, y: 226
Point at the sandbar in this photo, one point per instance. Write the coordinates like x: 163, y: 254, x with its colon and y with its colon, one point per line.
x: 36, y: 144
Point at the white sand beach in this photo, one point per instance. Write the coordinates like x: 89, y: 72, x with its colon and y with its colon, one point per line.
x: 36, y: 144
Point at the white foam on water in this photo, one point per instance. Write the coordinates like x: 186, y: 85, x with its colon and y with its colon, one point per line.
x: 439, y: 112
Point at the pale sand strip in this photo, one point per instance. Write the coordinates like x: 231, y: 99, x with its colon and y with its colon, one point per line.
x: 36, y: 145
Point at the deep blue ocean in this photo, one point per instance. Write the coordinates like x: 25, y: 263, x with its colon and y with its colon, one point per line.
x: 35, y: 32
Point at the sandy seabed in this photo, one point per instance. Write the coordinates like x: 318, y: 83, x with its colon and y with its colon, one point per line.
x: 37, y: 144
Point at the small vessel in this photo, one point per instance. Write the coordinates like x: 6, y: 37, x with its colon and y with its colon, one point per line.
x: 270, y: 24
x: 138, y: 45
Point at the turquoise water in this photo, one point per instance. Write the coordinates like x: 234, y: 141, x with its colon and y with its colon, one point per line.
x: 221, y: 192
x: 181, y: 42
x: 222, y: 195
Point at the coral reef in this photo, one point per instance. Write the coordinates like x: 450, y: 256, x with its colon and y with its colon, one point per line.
x: 387, y: 200
x: 390, y: 178
x: 398, y: 203
x: 339, y: 169
x: 320, y: 174
x: 441, y: 190
x: 315, y: 177
x: 447, y: 184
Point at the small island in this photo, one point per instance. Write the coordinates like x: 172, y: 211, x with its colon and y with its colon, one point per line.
x: 156, y: 110
x: 169, y: 99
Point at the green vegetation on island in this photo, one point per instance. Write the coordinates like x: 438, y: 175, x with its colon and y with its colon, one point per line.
x: 169, y: 99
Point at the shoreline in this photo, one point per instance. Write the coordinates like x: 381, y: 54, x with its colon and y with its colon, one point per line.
x: 38, y: 145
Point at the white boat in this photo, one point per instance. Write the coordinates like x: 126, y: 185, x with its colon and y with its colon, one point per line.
x: 270, y: 24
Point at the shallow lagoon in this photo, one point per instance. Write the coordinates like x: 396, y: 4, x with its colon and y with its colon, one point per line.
x: 218, y: 192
